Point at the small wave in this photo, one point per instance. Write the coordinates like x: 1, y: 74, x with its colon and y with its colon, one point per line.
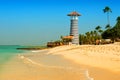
x: 35, y: 51
x: 80, y: 71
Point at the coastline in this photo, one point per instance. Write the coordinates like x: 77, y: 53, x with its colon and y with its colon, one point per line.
x: 27, y: 67
x: 101, y: 62
x: 103, y: 56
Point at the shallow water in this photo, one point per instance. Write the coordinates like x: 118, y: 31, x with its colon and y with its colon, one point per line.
x: 36, y: 66
x: 7, y: 52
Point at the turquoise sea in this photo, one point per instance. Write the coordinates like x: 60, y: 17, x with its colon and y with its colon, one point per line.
x: 8, y: 51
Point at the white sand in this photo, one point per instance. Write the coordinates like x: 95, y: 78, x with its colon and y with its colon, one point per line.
x: 101, y: 56
x: 101, y: 61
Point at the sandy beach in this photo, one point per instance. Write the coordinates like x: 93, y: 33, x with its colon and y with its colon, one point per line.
x: 73, y: 62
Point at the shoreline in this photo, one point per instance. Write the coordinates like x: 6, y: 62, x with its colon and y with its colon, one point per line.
x: 28, y: 64
x: 100, y: 62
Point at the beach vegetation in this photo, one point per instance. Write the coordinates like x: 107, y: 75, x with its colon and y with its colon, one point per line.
x: 114, y: 32
x: 108, y: 26
x: 91, y: 36
x: 107, y: 10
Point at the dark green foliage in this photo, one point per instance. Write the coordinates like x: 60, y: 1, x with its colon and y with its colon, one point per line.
x: 113, y: 33
x: 116, y: 28
x: 108, y: 27
x: 107, y: 34
x: 91, y: 37
x: 98, y: 28
x: 107, y: 9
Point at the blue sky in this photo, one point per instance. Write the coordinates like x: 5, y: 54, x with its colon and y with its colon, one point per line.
x: 34, y: 22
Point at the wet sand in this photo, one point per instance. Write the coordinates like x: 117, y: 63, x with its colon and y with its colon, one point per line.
x: 46, y: 67
x: 65, y: 62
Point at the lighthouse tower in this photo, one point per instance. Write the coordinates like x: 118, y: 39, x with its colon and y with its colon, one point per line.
x: 74, y: 27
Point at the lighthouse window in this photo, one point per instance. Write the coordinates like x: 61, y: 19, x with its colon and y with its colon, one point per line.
x: 74, y: 17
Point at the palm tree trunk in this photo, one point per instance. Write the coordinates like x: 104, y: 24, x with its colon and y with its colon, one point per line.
x: 108, y: 18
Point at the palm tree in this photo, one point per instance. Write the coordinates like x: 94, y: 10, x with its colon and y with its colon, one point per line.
x: 98, y: 28
x: 92, y: 36
x: 95, y: 33
x: 81, y: 38
x: 108, y: 27
x: 117, y: 28
x: 99, y: 32
x: 107, y: 10
x: 118, y: 18
x: 88, y: 37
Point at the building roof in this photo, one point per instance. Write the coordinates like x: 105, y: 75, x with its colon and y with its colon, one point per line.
x: 68, y: 37
x: 74, y: 14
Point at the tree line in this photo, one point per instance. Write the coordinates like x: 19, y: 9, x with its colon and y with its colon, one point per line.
x: 112, y: 33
